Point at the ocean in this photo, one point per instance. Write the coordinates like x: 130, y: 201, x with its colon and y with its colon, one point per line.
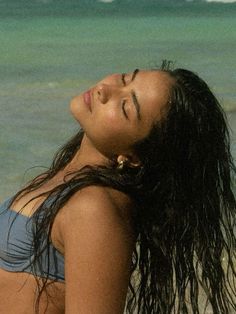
x: 52, y: 50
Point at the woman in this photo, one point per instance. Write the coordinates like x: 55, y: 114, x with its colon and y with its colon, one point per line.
x: 136, y: 207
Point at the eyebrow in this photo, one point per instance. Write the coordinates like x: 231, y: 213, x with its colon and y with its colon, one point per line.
x: 134, y: 97
x: 134, y: 74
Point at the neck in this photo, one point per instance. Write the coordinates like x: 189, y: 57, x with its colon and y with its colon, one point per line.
x: 86, y: 155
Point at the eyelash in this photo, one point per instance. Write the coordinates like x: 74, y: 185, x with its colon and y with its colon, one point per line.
x: 124, y: 102
x: 123, y: 109
x: 123, y: 78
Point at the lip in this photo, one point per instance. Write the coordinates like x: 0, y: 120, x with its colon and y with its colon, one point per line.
x: 87, y: 99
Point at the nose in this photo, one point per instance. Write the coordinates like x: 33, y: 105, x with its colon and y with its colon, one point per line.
x: 105, y: 92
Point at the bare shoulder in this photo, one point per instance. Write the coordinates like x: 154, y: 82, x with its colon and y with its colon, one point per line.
x: 101, y: 194
x: 98, y: 245
x: 96, y: 203
x: 95, y: 200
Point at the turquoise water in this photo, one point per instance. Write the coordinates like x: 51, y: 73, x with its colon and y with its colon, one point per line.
x: 50, y: 52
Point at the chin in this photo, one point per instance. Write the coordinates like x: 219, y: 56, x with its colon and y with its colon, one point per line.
x: 75, y: 107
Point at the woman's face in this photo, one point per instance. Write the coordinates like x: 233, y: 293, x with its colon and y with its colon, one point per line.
x: 121, y: 109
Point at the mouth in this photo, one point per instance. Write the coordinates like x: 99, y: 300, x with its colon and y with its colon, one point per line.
x: 87, y: 99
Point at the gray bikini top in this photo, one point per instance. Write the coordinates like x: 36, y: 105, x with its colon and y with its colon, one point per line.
x: 16, y: 254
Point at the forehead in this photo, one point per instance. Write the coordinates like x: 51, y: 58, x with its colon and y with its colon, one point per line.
x: 153, y: 91
x: 156, y: 83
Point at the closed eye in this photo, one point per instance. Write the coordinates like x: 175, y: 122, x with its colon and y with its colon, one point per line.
x: 124, y: 101
x: 134, y: 97
x: 123, y: 78
x: 123, y: 109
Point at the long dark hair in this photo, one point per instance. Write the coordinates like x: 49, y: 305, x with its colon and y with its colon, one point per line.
x: 184, y: 208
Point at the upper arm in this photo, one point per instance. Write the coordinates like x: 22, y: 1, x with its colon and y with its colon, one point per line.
x: 98, y: 249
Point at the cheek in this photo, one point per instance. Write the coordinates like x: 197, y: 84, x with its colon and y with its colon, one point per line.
x: 110, y: 127
x: 113, y: 118
x: 110, y: 117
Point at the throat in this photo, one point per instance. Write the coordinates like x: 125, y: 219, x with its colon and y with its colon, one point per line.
x: 87, y: 155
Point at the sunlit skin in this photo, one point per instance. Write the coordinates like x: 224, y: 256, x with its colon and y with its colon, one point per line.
x: 123, y: 109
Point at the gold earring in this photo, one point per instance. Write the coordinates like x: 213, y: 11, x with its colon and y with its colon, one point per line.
x: 121, y: 165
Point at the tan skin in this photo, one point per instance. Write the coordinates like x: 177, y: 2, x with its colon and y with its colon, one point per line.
x: 94, y: 229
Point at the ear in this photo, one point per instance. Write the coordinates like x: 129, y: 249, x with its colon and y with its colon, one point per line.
x: 129, y: 160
